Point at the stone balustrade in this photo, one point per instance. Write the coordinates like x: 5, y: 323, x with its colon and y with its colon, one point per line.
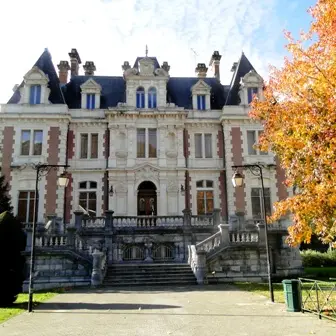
x: 210, y: 243
x: 95, y: 222
x: 51, y: 241
x: 244, y: 237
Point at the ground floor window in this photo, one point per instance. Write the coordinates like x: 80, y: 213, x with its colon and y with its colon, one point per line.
x: 205, y: 197
x: 26, y: 203
x: 257, y: 204
x: 88, y: 197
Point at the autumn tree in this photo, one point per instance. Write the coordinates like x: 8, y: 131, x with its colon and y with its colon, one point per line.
x: 299, y: 118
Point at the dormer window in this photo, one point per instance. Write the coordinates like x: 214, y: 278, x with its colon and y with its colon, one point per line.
x: 152, y: 98
x: 140, y: 97
x: 90, y: 101
x: 35, y: 94
x: 251, y: 91
x: 201, y: 102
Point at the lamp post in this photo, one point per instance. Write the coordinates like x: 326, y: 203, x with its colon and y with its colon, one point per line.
x: 41, y: 170
x: 238, y: 181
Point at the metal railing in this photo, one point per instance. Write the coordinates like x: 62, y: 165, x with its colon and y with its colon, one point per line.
x: 319, y: 297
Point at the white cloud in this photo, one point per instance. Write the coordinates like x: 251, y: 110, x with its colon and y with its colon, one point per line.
x: 110, y: 32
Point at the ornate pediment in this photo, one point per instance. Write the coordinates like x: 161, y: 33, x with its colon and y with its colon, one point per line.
x: 252, y: 78
x: 91, y: 86
x: 147, y: 172
x: 36, y: 76
x: 146, y: 67
x: 201, y: 87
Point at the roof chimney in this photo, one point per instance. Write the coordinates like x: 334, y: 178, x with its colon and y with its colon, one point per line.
x: 215, y: 63
x: 234, y: 66
x: 74, y: 61
x: 63, y: 68
x: 89, y: 68
x: 201, y: 70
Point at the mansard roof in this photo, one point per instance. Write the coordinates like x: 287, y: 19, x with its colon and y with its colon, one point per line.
x: 243, y: 67
x: 45, y: 64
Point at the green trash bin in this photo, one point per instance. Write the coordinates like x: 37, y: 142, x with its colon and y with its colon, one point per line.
x: 292, y: 292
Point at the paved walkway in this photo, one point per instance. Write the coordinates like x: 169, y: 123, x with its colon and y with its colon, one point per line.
x: 187, y: 311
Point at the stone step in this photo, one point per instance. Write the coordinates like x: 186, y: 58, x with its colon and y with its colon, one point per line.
x: 150, y: 276
x: 150, y: 283
x: 146, y: 271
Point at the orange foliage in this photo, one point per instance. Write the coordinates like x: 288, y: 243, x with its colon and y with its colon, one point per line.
x: 299, y: 118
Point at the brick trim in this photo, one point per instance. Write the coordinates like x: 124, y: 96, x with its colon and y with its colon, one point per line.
x: 71, y: 145
x: 220, y: 144
x: 222, y: 195
x: 68, y: 199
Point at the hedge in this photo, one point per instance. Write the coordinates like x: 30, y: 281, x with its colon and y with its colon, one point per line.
x: 311, y: 258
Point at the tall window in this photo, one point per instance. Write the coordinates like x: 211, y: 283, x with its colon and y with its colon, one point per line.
x: 251, y: 91
x: 203, y: 145
x: 256, y: 199
x: 252, y: 140
x: 152, y: 98
x: 146, y: 143
x: 26, y: 206
x: 140, y: 97
x: 88, y: 197
x: 90, y: 101
x: 201, y: 102
x: 35, y: 94
x: 31, y: 142
x: 89, y: 146
x: 205, y: 197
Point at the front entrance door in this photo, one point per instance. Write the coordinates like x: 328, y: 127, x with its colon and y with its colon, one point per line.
x: 147, y: 201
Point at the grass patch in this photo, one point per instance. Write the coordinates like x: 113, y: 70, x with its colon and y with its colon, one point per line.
x: 21, y: 304
x: 262, y: 289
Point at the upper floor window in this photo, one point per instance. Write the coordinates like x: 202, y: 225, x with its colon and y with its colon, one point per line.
x: 35, y: 94
x: 201, y: 102
x: 146, y: 143
x: 140, y: 97
x: 90, y: 101
x: 26, y: 204
x: 152, y: 98
x: 203, y: 145
x: 88, y: 197
x: 89, y: 146
x: 31, y: 142
x: 205, y: 197
x: 252, y: 140
x: 257, y: 202
x: 251, y: 91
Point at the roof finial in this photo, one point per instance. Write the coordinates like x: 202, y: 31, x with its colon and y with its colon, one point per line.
x: 146, y: 50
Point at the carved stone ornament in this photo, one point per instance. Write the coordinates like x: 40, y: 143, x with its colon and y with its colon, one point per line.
x: 121, y: 187
x: 146, y: 67
x: 172, y: 186
x: 121, y: 153
x: 131, y: 72
x: 161, y: 72
x: 147, y: 173
x: 171, y: 153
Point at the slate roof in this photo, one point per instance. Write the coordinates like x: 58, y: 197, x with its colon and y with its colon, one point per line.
x: 45, y: 64
x: 243, y: 67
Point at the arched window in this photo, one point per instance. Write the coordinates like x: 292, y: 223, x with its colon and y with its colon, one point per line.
x: 140, y: 97
x: 152, y: 98
x: 88, y: 197
x: 205, y: 197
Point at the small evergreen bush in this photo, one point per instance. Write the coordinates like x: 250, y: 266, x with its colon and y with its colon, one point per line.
x: 12, y: 242
x: 311, y: 258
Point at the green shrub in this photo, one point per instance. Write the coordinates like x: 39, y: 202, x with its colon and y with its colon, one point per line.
x: 311, y: 258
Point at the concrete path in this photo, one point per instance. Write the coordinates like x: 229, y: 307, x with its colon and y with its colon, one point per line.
x: 187, y: 311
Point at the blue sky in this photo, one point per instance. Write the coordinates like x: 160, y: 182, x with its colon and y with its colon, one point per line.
x: 109, y: 32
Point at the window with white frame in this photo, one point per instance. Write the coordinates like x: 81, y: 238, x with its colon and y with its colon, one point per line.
x: 205, y: 197
x: 26, y: 203
x: 90, y: 101
x: 88, y: 197
x: 35, y: 94
x: 31, y: 142
x: 257, y: 202
x: 201, y: 102
x: 203, y: 145
x: 152, y: 98
x: 252, y: 139
x: 140, y: 97
x: 251, y: 92
x: 146, y: 142
x: 89, y: 145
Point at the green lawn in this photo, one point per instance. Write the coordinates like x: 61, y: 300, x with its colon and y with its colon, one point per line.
x: 20, y: 305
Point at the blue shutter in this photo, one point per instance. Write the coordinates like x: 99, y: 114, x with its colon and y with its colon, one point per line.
x: 93, y: 101
x: 38, y: 94
x: 154, y: 100
x: 249, y: 95
x: 32, y: 94
x: 198, y: 102
x: 35, y: 94
x: 203, y: 102
x: 138, y: 100
x: 142, y: 100
x: 87, y: 101
x: 150, y: 100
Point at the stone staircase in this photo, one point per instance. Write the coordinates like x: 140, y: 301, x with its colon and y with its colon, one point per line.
x: 149, y: 275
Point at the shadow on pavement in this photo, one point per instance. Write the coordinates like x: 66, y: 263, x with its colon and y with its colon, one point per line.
x: 101, y: 306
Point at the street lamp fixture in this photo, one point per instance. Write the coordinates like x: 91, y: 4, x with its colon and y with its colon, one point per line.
x: 238, y: 181
x: 63, y: 180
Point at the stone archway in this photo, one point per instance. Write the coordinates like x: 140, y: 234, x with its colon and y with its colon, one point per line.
x: 147, y: 199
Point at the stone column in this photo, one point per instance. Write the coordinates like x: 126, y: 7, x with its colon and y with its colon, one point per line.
x: 78, y: 219
x: 225, y: 234
x: 186, y: 217
x: 200, y: 267
x: 216, y: 217
x: 261, y: 229
x: 71, y: 233
x: 28, y: 237
x: 109, y: 220
x: 97, y: 275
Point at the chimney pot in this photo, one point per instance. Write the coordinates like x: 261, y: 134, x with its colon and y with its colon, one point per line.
x: 89, y: 68
x: 126, y: 66
x: 165, y: 66
x: 215, y: 63
x: 234, y: 66
x: 201, y: 70
x: 74, y: 61
x: 63, y: 68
